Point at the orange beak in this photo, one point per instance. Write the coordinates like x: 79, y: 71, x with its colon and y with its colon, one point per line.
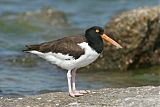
x: 105, y: 37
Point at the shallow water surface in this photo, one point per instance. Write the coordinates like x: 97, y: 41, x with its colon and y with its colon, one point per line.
x: 25, y: 74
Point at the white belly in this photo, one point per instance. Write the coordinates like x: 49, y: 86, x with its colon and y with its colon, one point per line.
x: 60, y: 59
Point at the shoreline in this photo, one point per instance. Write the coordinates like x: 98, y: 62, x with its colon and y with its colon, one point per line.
x: 145, y: 96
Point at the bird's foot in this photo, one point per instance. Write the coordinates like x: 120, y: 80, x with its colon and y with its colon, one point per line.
x: 75, y: 94
x: 78, y: 93
x: 81, y: 91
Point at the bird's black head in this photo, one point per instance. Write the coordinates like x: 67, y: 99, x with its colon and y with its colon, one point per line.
x: 94, y: 39
x: 95, y: 30
x: 94, y: 36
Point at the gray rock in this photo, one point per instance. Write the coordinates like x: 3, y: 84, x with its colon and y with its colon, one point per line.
x: 42, y: 22
x: 45, y: 16
x: 138, y: 31
x: 147, y: 96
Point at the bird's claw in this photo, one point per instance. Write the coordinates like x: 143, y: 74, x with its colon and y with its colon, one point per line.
x: 75, y: 94
x: 78, y: 93
x: 81, y: 91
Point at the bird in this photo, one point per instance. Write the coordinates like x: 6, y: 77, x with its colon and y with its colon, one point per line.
x: 73, y: 52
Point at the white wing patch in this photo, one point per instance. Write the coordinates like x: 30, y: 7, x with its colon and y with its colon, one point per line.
x: 60, y: 56
x: 57, y: 55
x: 68, y: 62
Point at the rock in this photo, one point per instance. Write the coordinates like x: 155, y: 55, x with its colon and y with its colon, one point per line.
x: 32, y: 21
x: 147, y: 96
x: 19, y: 29
x: 138, y: 31
x: 46, y: 15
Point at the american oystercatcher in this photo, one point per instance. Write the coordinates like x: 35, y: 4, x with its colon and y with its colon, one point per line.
x: 73, y: 52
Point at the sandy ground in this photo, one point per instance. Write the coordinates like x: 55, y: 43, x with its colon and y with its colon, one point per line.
x: 147, y: 96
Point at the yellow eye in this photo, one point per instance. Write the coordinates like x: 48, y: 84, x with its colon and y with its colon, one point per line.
x: 97, y: 30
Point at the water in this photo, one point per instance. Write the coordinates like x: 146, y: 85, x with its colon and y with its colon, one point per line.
x: 24, y: 74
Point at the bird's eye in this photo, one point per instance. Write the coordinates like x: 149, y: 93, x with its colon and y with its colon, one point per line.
x: 97, y: 30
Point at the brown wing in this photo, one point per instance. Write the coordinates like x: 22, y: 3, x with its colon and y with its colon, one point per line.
x: 66, y: 45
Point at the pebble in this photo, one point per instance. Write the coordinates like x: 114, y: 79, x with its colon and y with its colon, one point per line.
x: 93, y: 92
x: 57, y: 104
x: 74, y: 103
x: 39, y: 98
x: 20, y: 98
x: 49, y: 100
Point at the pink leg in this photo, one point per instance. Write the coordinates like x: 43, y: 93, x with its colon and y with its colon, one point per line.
x: 73, y: 79
x: 74, y: 85
x: 70, y: 89
x: 69, y: 76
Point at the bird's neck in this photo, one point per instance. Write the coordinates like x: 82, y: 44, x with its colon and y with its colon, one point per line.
x: 96, y: 45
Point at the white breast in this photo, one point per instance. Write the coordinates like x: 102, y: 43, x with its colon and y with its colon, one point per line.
x: 71, y: 63
x: 89, y: 56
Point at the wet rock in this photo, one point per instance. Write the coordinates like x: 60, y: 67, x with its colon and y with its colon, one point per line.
x: 46, y: 15
x: 138, y: 31
x: 147, y: 96
x: 35, y: 19
x: 19, y: 29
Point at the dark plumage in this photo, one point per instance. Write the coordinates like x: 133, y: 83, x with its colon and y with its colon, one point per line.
x: 94, y: 39
x: 66, y: 45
